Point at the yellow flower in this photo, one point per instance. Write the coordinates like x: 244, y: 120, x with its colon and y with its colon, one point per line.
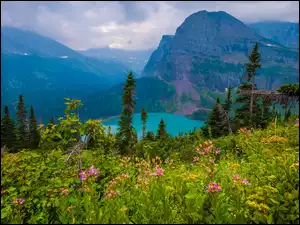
x: 123, y: 209
x: 274, y: 139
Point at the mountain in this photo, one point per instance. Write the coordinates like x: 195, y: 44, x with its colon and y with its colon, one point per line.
x: 284, y: 33
x: 135, y: 60
x: 208, y: 52
x: 43, y: 70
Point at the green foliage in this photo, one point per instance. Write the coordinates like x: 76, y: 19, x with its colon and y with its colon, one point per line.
x: 217, y: 124
x: 253, y: 64
x: 33, y: 132
x: 126, y: 135
x: 22, y: 122
x: 228, y: 102
x: 8, y: 131
x: 289, y: 89
x: 257, y: 173
x: 144, y: 117
x: 161, y: 131
x: 67, y: 132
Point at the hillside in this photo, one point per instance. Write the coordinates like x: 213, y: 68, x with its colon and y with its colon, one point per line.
x: 284, y: 33
x: 135, y: 60
x: 208, y: 52
x: 45, y: 71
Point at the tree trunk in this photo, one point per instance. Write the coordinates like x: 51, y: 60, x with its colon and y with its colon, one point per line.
x: 251, y: 100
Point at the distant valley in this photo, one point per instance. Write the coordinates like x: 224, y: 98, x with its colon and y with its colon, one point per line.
x: 184, y: 75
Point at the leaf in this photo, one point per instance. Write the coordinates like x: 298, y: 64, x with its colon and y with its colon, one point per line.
x: 191, y: 196
x: 270, y: 219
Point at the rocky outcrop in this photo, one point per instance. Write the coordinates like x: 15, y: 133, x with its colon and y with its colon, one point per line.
x: 208, y: 52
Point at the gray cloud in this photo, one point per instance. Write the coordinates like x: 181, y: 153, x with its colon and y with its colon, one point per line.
x: 128, y: 25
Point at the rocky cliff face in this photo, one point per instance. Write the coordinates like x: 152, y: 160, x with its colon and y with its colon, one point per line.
x: 285, y: 33
x: 208, y: 52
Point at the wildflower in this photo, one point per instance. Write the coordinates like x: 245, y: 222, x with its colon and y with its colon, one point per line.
x: 236, y: 178
x: 213, y: 187
x: 19, y: 201
x: 297, y: 123
x: 159, y: 171
x: 111, y: 194
x: 211, y: 161
x: 83, y: 176
x: 218, y: 150
x: 244, y: 181
x: 64, y: 191
x: 195, y: 159
x: 93, y: 171
x: 123, y: 209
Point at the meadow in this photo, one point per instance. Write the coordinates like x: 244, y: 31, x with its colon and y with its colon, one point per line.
x: 248, y: 177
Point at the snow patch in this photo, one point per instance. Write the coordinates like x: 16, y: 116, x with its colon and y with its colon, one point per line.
x: 64, y: 57
x: 270, y: 45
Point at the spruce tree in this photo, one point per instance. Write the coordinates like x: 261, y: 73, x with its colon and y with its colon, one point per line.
x: 251, y: 66
x: 144, y: 118
x: 216, y: 123
x: 161, y: 132
x: 242, y: 113
x: 228, y: 103
x: 22, y: 122
x: 8, y: 131
x: 126, y: 136
x: 34, y: 134
x: 51, y: 122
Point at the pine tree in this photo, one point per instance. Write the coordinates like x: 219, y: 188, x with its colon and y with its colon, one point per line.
x: 228, y: 103
x: 144, y: 117
x: 251, y: 66
x: 161, y: 133
x: 22, y: 122
x: 34, y: 134
x: 51, y: 122
x: 8, y: 131
x: 242, y: 114
x: 216, y: 123
x: 126, y: 136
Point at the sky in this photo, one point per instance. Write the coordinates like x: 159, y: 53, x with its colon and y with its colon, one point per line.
x: 128, y: 25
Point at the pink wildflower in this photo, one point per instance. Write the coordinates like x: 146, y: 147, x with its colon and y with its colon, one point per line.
x: 244, y: 181
x: 18, y: 201
x: 218, y: 150
x: 93, y: 171
x: 159, y: 171
x: 83, y: 175
x: 195, y: 159
x: 213, y: 187
x: 236, y: 178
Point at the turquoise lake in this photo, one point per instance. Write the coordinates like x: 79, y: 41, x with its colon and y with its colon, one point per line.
x: 174, y: 123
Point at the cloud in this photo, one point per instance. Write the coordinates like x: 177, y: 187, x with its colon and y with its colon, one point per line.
x: 128, y: 25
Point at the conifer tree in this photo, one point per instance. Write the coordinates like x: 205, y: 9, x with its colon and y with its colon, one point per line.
x: 22, y: 122
x: 144, y: 117
x: 216, y: 123
x: 51, y: 122
x: 251, y: 66
x: 228, y: 103
x: 242, y: 113
x: 34, y: 134
x: 161, y: 133
x: 8, y: 131
x: 126, y: 136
